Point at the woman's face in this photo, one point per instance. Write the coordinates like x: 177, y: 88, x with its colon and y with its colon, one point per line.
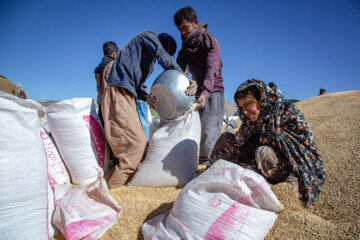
x: 250, y: 107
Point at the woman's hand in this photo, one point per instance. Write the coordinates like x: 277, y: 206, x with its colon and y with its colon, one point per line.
x: 150, y: 100
x: 294, y: 181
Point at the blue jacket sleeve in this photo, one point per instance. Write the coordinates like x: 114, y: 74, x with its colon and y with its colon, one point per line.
x: 154, y: 47
x: 141, y: 94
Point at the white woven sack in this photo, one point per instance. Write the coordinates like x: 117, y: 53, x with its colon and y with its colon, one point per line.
x: 79, y: 137
x: 50, y: 211
x: 225, y: 202
x: 154, y: 125
x: 57, y: 172
x: 25, y: 103
x: 85, y: 212
x: 23, y: 171
x: 173, y: 153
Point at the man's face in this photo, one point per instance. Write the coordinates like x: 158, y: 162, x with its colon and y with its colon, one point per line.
x: 186, y: 27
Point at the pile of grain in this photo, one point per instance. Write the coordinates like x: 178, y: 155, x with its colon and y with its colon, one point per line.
x: 334, y: 120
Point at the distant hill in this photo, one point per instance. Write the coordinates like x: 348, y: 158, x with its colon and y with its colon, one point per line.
x: 49, y: 102
x: 230, y: 108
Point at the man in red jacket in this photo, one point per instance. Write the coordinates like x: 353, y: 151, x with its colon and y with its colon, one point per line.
x: 201, y: 53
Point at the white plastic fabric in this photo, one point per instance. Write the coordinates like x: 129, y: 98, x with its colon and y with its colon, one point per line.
x: 154, y: 125
x: 149, y: 116
x: 26, y: 103
x: 86, y: 212
x: 51, y: 207
x: 44, y: 123
x: 224, y: 202
x: 79, y: 137
x: 23, y: 171
x: 173, y: 153
x: 59, y: 192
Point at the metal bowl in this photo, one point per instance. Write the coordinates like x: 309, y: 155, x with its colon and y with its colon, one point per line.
x: 169, y: 90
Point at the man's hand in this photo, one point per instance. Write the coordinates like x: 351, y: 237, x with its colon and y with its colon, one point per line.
x: 150, y: 100
x: 200, y: 102
x: 191, y: 90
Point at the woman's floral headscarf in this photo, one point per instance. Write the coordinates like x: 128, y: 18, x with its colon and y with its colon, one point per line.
x: 284, y: 128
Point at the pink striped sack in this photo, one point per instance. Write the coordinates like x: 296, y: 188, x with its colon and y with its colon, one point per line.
x: 224, y: 202
x: 57, y: 172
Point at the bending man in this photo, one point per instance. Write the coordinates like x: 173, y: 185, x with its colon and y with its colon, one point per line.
x: 133, y: 65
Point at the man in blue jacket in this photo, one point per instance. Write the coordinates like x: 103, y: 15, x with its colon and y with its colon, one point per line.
x: 132, y: 66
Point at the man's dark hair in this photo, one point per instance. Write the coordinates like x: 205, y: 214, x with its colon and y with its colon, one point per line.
x: 322, y: 91
x: 185, y: 13
x: 110, y: 47
x: 168, y: 43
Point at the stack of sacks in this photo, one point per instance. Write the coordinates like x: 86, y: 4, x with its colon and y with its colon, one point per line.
x: 173, y: 153
x: 225, y: 202
x: 32, y: 172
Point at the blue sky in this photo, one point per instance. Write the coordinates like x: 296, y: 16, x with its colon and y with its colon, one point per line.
x: 52, y: 47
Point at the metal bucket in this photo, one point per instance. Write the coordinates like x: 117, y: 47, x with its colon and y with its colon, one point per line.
x: 169, y: 90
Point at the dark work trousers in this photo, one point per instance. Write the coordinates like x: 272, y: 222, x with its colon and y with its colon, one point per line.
x: 211, y: 117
